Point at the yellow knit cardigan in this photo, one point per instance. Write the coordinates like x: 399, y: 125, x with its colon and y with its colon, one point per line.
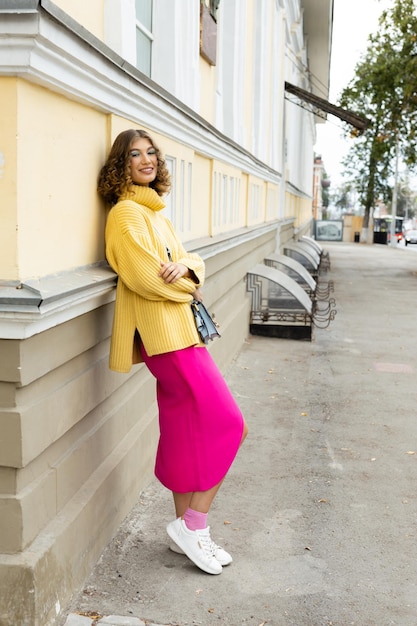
x: 136, y: 239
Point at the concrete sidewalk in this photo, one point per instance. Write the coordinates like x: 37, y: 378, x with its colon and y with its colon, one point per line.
x: 319, y: 510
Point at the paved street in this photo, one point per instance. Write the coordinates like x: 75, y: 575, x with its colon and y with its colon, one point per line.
x: 320, y: 508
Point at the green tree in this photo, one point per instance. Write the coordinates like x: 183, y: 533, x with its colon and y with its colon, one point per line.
x: 384, y: 91
x: 341, y: 197
x: 406, y: 199
x: 325, y: 186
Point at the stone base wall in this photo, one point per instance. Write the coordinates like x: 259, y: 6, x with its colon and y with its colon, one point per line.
x: 78, y: 441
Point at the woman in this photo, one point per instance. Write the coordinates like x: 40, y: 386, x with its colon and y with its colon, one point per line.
x: 201, y: 426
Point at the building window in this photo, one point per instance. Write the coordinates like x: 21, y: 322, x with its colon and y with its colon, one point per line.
x: 208, y: 33
x: 144, y: 37
x: 214, y: 7
x: 170, y: 205
x: 226, y: 201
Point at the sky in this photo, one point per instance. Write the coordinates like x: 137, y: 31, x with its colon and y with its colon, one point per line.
x: 353, y: 22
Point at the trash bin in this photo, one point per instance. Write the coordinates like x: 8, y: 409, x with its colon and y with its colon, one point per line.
x: 357, y: 237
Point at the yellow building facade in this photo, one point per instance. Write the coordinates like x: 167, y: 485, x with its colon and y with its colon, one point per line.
x: 77, y: 441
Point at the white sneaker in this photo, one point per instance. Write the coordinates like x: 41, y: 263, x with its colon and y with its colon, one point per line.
x: 220, y: 554
x: 196, y: 544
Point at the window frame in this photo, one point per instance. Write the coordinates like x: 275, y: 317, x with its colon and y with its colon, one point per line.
x: 139, y: 26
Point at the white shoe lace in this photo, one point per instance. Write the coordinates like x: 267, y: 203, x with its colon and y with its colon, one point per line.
x: 206, y: 542
x: 215, y: 547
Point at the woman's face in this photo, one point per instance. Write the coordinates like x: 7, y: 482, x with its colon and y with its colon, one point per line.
x: 143, y: 161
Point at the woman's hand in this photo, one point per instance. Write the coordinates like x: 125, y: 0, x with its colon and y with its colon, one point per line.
x: 197, y: 295
x: 171, y: 272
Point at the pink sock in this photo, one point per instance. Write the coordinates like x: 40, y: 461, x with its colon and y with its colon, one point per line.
x: 194, y: 520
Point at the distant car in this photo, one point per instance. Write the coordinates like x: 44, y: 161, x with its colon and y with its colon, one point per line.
x: 410, y: 237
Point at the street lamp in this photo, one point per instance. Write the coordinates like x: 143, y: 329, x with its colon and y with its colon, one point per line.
x: 393, y: 240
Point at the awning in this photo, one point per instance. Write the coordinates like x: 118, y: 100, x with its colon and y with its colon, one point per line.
x: 361, y: 123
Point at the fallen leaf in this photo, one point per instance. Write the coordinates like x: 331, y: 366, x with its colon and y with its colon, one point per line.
x: 226, y: 522
x: 198, y: 591
x: 303, y: 414
x: 322, y: 500
x: 210, y: 610
x: 411, y: 452
x: 307, y: 548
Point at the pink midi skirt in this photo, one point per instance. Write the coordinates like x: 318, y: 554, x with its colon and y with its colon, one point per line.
x: 201, y: 425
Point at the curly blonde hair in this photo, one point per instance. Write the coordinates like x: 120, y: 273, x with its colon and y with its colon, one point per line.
x: 115, y: 179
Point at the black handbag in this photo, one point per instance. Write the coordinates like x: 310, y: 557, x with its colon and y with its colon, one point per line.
x: 207, y: 327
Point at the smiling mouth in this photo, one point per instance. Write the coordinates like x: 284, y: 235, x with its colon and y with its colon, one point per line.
x: 147, y: 170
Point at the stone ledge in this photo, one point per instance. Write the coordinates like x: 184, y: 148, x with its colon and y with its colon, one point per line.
x: 41, y: 292
x: 35, y: 305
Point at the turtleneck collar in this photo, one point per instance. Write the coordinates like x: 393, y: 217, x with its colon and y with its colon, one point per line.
x: 146, y: 196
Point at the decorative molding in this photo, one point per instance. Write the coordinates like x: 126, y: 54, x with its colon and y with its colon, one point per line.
x: 51, y: 49
x: 37, y: 305
x: 19, y: 6
x: 225, y: 242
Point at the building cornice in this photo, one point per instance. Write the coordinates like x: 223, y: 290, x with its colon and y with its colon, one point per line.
x: 36, y: 305
x: 42, y: 44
